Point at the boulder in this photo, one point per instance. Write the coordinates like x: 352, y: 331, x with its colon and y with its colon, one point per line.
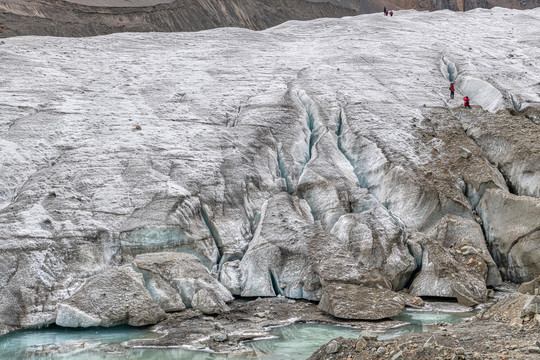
x: 442, y: 275
x: 467, y: 237
x: 360, y: 344
x: 115, y: 296
x: 465, y: 153
x: 349, y: 301
x: 532, y: 287
x: 430, y: 343
x: 208, y: 302
x: 412, y: 301
x: 512, y: 227
x: 219, y: 337
x: 531, y: 306
x: 175, y: 276
x: 333, y: 347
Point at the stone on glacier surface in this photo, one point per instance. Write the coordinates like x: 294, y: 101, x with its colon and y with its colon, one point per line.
x: 177, y: 276
x: 349, y: 301
x: 113, y: 297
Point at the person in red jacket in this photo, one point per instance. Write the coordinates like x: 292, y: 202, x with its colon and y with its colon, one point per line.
x: 452, y: 89
x: 466, y: 101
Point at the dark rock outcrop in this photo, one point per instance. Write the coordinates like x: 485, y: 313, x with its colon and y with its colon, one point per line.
x: 456, y: 5
x: 62, y: 18
x: 89, y: 18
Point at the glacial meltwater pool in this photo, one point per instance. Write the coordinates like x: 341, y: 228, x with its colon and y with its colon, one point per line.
x: 290, y: 342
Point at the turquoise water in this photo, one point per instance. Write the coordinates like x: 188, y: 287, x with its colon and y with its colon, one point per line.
x: 289, y: 343
x: 432, y: 317
x: 29, y: 344
x: 299, y: 341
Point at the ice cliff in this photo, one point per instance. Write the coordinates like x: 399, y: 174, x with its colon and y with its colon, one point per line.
x: 307, y: 159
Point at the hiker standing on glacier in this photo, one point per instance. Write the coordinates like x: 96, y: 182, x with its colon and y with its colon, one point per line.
x: 452, y: 89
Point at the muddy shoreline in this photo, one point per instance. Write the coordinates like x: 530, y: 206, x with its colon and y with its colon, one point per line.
x: 495, y: 330
x: 247, y: 321
x: 492, y: 332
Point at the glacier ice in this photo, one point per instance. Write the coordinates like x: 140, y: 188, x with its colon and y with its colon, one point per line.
x: 258, y: 152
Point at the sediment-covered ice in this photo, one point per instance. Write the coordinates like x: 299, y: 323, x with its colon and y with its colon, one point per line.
x: 258, y: 153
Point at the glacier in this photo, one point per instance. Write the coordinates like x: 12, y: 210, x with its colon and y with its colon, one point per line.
x: 288, y: 161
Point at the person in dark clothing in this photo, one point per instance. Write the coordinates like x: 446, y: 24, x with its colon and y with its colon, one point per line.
x: 466, y: 101
x: 452, y: 89
x: 385, y: 12
x: 391, y: 13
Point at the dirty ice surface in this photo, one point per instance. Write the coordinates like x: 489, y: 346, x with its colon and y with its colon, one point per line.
x: 183, y: 88
x: 103, y: 139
